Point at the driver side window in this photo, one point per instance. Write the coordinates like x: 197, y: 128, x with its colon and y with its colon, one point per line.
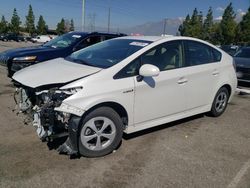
x: 88, y: 42
x: 165, y: 56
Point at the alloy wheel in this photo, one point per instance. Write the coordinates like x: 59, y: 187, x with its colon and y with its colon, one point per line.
x: 98, y: 133
x: 221, y: 101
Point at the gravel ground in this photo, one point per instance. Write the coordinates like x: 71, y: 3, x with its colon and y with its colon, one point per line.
x: 199, y: 151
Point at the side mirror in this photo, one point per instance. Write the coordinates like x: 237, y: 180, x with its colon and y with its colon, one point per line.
x: 149, y: 70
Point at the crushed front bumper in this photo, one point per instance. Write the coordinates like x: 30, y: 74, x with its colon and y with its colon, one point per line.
x: 70, y: 147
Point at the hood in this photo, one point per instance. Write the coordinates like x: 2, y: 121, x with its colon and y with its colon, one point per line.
x: 242, y: 62
x: 27, y: 51
x: 56, y: 71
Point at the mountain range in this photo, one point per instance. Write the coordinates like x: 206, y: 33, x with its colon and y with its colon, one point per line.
x: 148, y: 28
x: 155, y: 28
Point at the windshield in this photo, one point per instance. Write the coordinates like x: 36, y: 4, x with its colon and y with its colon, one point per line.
x: 245, y: 52
x: 107, y: 53
x: 64, y: 41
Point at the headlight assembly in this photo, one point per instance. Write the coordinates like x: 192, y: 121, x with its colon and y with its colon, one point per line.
x: 71, y: 91
x: 25, y: 59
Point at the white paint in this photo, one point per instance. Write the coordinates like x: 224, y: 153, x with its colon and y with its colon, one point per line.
x: 173, y: 94
x: 239, y: 175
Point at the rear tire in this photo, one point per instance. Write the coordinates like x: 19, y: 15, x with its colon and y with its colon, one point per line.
x: 100, y: 132
x: 220, y: 102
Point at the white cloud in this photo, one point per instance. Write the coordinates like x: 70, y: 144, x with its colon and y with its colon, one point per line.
x: 239, y: 14
x: 181, y: 18
x: 220, y: 9
x: 218, y: 18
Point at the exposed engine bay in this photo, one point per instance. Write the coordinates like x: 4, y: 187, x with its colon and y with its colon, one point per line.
x: 39, y: 105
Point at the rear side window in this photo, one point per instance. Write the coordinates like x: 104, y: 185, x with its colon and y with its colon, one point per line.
x: 197, y: 53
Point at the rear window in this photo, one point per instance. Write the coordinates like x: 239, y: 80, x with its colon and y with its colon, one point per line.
x: 197, y: 53
x: 245, y: 53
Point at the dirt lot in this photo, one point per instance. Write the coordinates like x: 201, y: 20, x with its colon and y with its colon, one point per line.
x: 196, y: 152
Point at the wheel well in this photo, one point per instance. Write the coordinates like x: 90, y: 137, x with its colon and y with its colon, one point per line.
x: 116, y: 107
x: 229, y: 89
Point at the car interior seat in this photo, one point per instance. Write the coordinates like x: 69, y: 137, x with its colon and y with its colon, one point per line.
x: 170, y: 59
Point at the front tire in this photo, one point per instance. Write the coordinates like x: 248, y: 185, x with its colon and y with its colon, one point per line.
x: 220, y: 102
x: 100, y: 133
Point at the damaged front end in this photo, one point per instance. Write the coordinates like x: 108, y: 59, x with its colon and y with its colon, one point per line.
x: 48, y: 115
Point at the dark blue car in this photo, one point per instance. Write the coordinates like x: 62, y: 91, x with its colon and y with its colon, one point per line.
x: 242, y: 62
x: 61, y: 46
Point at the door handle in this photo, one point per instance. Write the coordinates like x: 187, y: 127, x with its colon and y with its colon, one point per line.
x: 182, y: 80
x: 215, y: 72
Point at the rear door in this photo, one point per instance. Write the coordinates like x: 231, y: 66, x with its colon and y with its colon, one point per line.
x: 202, y: 73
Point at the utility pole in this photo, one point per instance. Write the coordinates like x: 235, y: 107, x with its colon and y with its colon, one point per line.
x: 83, y: 15
x: 94, y: 16
x: 165, y: 24
x: 109, y: 21
x: 91, y: 18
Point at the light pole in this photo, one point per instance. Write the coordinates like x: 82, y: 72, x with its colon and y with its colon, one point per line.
x: 83, y: 15
x: 165, y: 24
x: 109, y: 21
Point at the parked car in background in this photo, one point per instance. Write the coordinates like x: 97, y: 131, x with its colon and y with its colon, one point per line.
x: 61, y: 46
x: 2, y: 36
x: 41, y: 39
x: 242, y: 62
x: 126, y: 85
x: 230, y: 49
x: 13, y: 37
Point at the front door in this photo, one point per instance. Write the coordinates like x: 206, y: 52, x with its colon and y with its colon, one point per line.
x: 164, y: 95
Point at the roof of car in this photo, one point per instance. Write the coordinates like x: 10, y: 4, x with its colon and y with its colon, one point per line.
x: 145, y: 38
x: 158, y: 38
x: 93, y: 33
x: 246, y: 47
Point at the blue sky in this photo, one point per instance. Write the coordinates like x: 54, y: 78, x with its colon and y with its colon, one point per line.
x: 124, y: 13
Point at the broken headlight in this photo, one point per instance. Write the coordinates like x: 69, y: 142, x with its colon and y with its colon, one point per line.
x: 72, y: 91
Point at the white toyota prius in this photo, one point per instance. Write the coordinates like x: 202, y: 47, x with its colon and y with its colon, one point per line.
x: 122, y: 85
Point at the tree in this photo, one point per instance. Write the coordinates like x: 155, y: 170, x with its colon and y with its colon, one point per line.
x: 61, y: 27
x: 208, y: 26
x: 192, y: 26
x: 217, y: 37
x: 72, y: 26
x: 41, y: 26
x: 196, y: 24
x: 228, y: 25
x: 184, y: 28
x: 3, y: 25
x: 15, y: 22
x: 243, y: 29
x: 30, y: 21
